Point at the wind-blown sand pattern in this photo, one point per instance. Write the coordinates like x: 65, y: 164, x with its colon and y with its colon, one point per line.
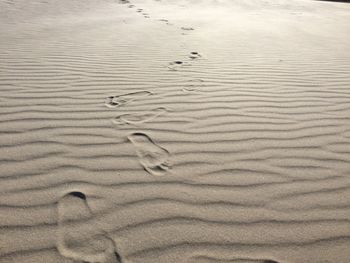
x: 248, y: 162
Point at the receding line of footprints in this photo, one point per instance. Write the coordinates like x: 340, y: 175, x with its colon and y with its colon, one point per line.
x: 153, y: 158
x: 76, y: 240
x: 146, y: 15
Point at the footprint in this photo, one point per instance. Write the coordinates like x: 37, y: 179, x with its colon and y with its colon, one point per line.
x: 176, y: 65
x: 124, y: 1
x: 153, y: 158
x: 140, y: 117
x: 195, y: 85
x: 187, y: 28
x: 207, y: 259
x: 139, y: 10
x: 80, y: 243
x: 117, y: 101
x: 131, y: 6
x: 166, y: 21
x: 194, y: 55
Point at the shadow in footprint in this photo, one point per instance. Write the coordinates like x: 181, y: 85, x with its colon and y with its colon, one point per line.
x: 77, y: 240
x: 187, y: 28
x: 117, y: 101
x: 175, y: 65
x: 207, y: 259
x: 194, y: 55
x: 139, y: 118
x: 153, y: 158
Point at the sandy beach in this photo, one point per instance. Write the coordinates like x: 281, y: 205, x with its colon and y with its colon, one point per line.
x: 174, y: 131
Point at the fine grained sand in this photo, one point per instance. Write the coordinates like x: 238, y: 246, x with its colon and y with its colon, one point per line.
x: 174, y: 131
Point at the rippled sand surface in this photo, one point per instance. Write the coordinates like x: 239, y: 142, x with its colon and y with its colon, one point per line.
x: 174, y: 131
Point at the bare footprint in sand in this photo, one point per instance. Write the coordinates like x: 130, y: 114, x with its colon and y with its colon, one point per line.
x: 117, y: 101
x: 139, y: 118
x: 206, y: 259
x: 248, y: 260
x: 166, y: 21
x: 187, y: 28
x: 153, y: 158
x: 194, y: 55
x: 195, y: 85
x: 175, y: 65
x: 77, y: 240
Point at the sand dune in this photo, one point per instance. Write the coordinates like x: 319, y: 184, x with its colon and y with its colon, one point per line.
x: 174, y: 131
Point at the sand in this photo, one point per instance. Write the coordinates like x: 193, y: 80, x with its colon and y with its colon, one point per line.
x: 174, y: 131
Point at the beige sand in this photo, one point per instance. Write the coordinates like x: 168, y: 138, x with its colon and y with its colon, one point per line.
x: 207, y: 131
